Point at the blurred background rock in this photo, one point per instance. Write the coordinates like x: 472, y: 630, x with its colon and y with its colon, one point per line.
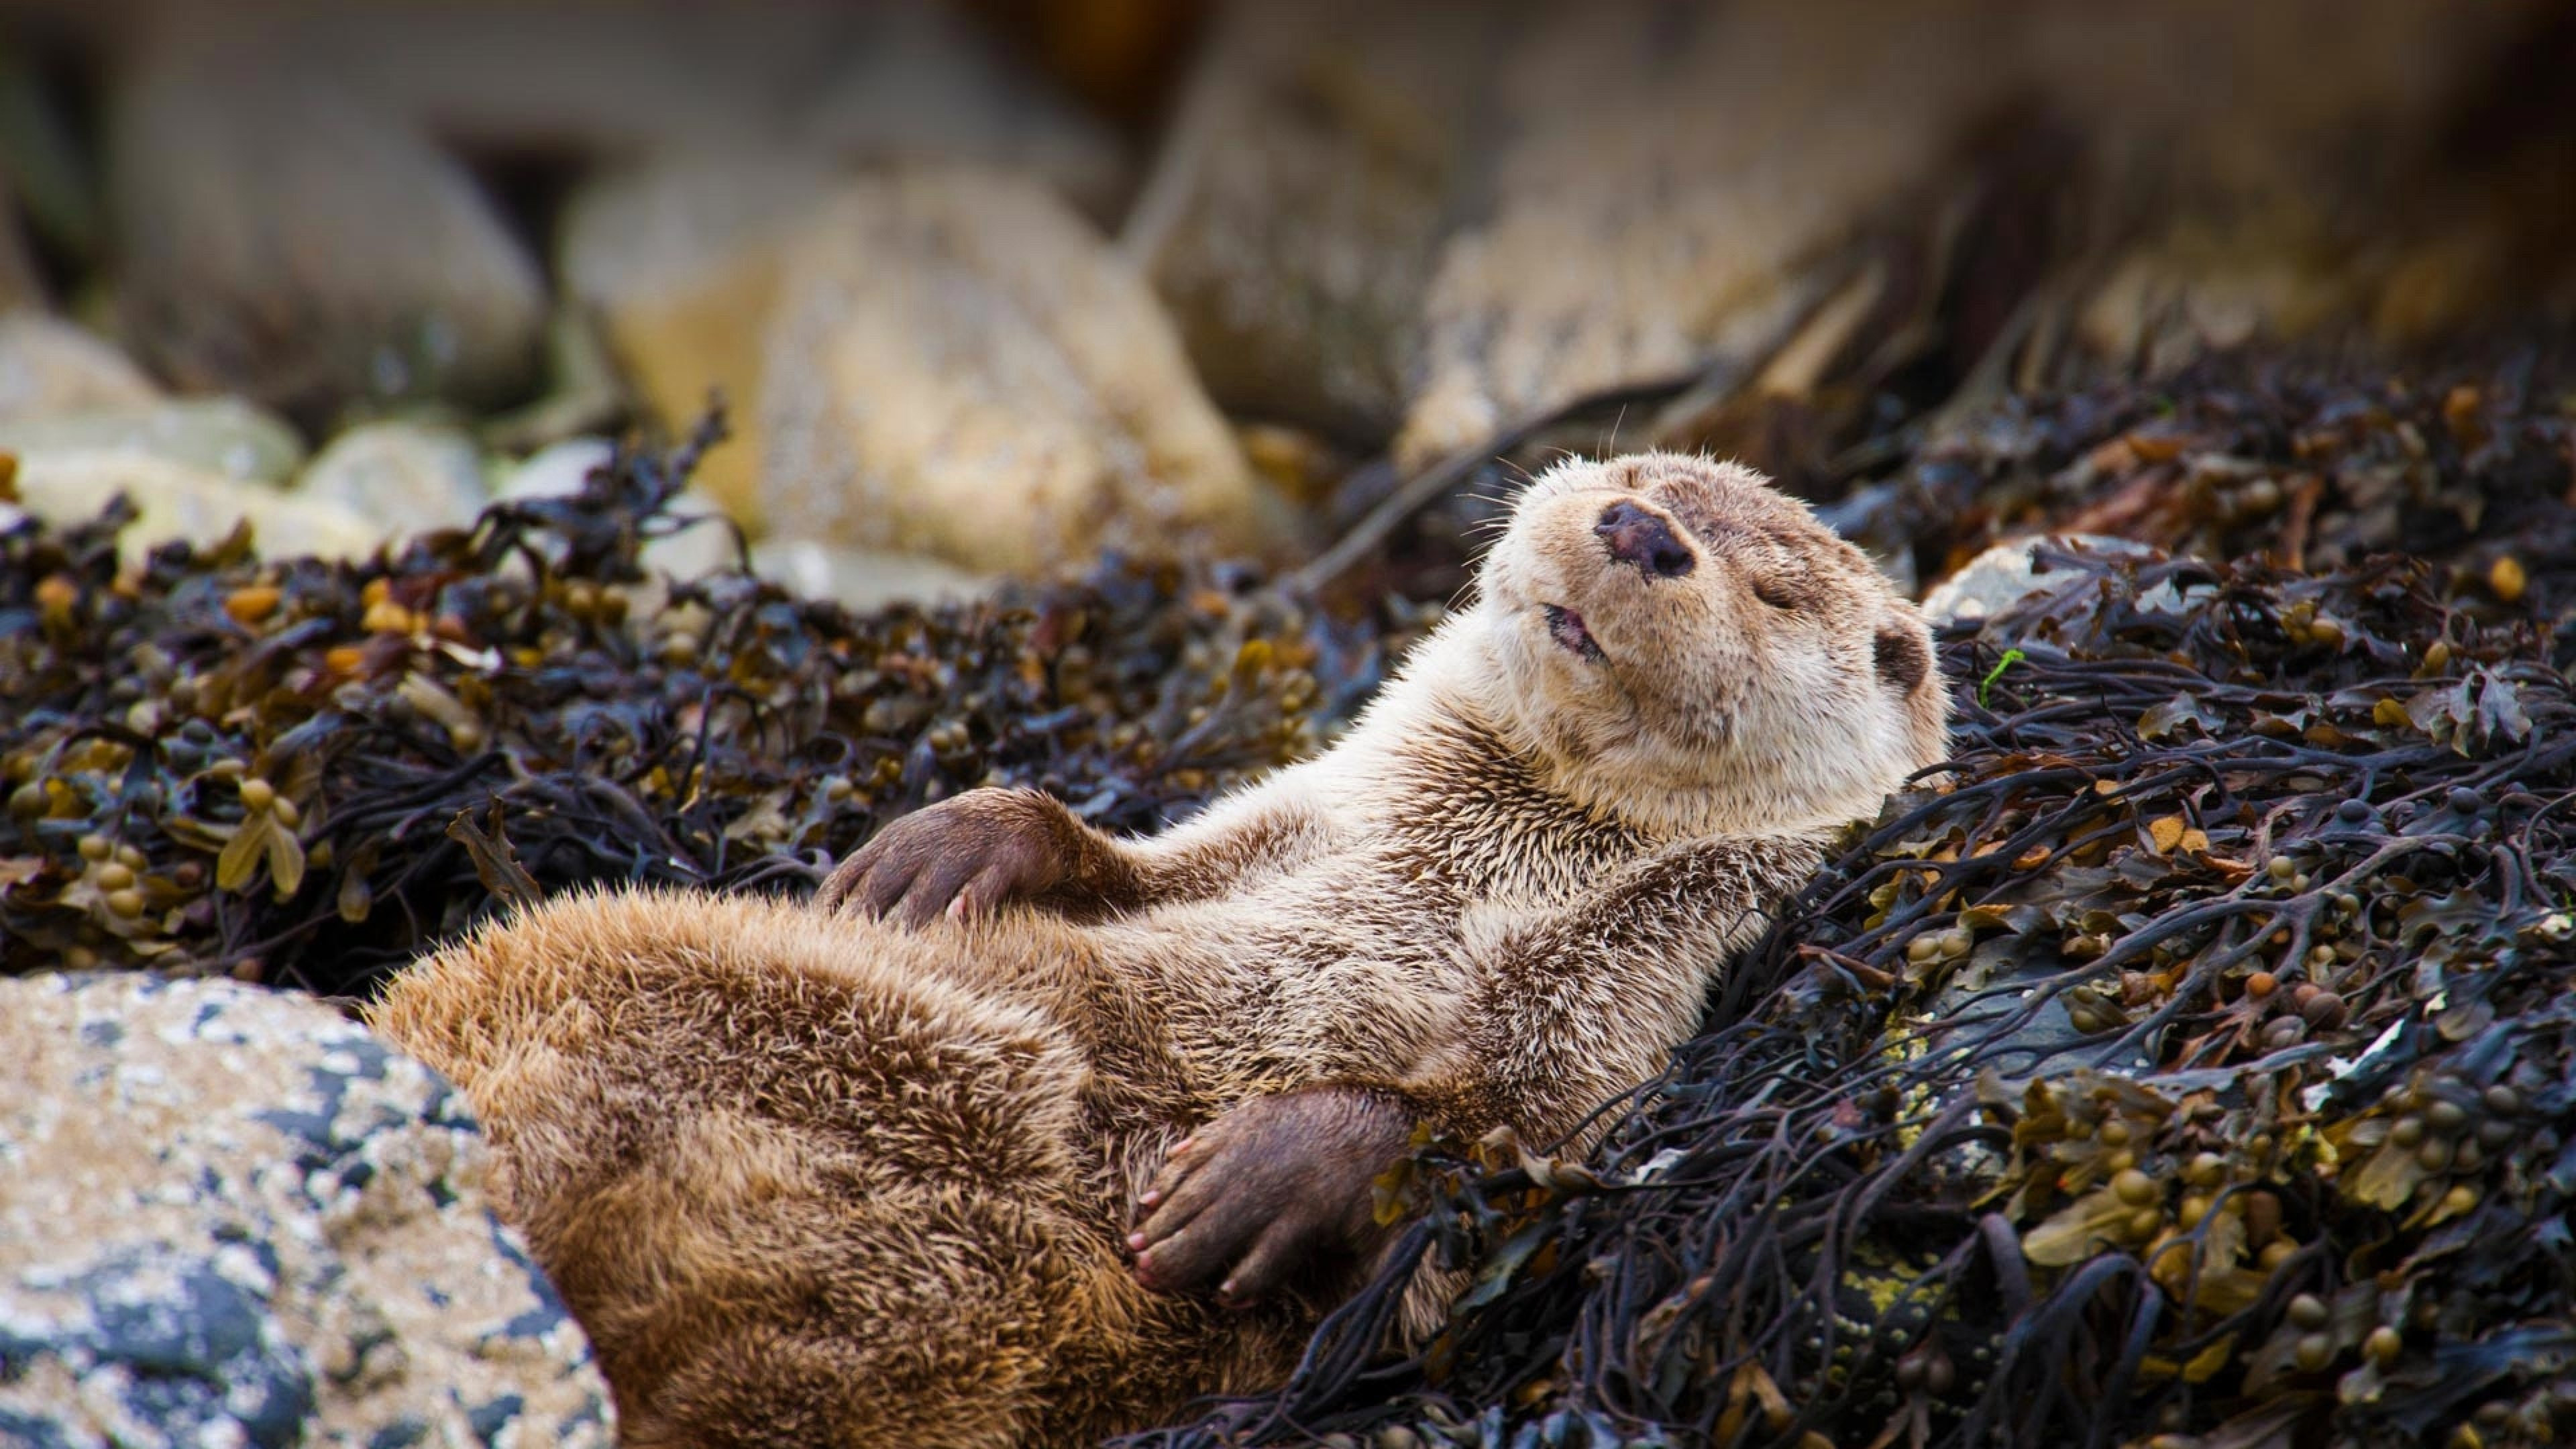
x: 990, y: 285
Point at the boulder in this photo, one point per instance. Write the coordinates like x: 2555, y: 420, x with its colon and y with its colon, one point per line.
x: 406, y: 477
x: 2007, y: 573
x: 958, y: 365
x: 1674, y: 188
x: 2309, y: 182
x: 218, y: 435
x: 678, y: 259
x: 861, y: 580
x: 559, y: 470
x: 283, y: 235
x: 229, y: 1215
x: 1295, y: 212
x: 180, y: 503
x: 21, y: 286
x: 864, y: 83
x: 50, y: 366
x: 919, y: 86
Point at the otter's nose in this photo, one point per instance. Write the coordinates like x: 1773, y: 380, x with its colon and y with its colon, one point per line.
x: 1638, y: 537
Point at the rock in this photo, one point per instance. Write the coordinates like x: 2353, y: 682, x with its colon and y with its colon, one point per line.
x: 48, y: 366
x: 233, y: 1216
x: 21, y: 287
x: 407, y: 477
x: 679, y: 260
x: 557, y: 470
x: 872, y: 83
x: 2288, y: 193
x: 920, y: 87
x: 222, y: 436
x: 179, y: 503
x: 686, y: 553
x: 1674, y: 186
x: 2008, y: 573
x: 1295, y: 213
x: 285, y: 237
x: 861, y: 580
x: 959, y: 366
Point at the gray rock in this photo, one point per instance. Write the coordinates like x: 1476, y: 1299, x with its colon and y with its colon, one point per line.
x: 861, y: 580
x: 49, y: 366
x: 282, y: 235
x: 559, y: 470
x: 1296, y: 209
x: 406, y: 478
x: 233, y: 1216
x: 885, y: 82
x: 222, y: 436
x: 918, y: 86
x: 2008, y: 573
x: 20, y: 286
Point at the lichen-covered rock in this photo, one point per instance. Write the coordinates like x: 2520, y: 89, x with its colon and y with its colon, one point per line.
x: 405, y: 477
x: 960, y: 366
x: 48, y: 365
x: 1294, y: 215
x: 233, y: 1217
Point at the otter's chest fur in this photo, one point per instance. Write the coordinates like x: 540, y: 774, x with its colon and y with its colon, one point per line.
x: 1359, y: 952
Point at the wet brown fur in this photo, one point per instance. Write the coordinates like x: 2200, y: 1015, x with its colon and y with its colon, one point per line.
x: 814, y: 1180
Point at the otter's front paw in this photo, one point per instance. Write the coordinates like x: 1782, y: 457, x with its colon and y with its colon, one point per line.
x: 961, y: 857
x: 1273, y: 1187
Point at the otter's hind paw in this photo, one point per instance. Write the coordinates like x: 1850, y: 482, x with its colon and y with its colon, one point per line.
x: 1270, y: 1189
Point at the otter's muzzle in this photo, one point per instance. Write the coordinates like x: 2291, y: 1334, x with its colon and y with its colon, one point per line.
x: 1638, y: 537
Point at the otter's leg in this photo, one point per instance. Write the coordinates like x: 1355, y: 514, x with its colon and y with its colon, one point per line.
x: 796, y: 1189
x: 973, y: 854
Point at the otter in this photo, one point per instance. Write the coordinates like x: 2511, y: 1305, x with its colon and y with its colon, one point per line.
x: 948, y: 1155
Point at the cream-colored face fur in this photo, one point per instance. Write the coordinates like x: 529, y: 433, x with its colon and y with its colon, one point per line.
x: 1670, y: 622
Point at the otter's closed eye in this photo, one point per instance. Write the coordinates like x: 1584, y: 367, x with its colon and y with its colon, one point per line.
x: 1775, y: 593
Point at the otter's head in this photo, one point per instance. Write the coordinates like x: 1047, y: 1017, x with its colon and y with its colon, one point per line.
x: 1668, y: 632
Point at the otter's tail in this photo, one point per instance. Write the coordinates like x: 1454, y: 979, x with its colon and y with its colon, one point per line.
x: 797, y: 1187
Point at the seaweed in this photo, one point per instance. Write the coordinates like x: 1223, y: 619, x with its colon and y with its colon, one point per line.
x: 2189, y: 1057
x: 305, y: 772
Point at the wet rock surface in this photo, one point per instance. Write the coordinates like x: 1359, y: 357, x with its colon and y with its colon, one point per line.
x: 232, y: 1216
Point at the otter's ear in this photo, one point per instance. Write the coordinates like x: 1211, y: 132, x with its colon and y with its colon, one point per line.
x: 1903, y: 658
